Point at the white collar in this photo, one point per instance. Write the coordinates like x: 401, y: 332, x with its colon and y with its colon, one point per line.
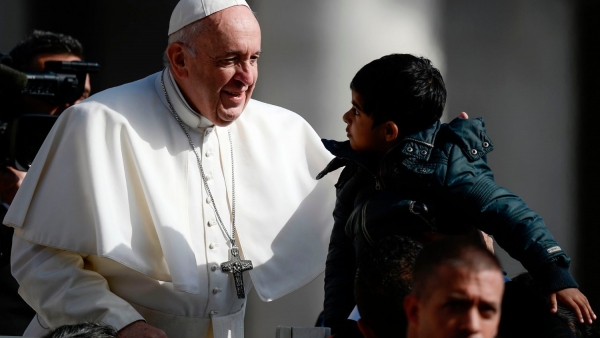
x: 188, y: 115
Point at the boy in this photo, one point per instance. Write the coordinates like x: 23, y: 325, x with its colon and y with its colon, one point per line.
x: 407, y: 174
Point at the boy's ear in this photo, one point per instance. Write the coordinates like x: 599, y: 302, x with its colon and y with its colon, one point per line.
x: 391, y: 131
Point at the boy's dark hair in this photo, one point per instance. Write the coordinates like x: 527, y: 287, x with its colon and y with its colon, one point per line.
x: 383, y: 279
x: 83, y: 330
x: 453, y: 251
x: 40, y: 42
x: 401, y: 88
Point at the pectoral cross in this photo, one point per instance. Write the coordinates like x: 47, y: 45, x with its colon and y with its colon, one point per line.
x: 236, y: 266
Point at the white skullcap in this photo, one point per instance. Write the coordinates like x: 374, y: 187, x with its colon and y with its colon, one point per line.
x: 188, y: 11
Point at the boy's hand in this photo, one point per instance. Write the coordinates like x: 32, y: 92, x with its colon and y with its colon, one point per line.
x: 575, y: 300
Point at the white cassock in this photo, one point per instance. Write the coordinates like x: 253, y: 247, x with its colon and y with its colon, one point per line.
x: 113, y: 224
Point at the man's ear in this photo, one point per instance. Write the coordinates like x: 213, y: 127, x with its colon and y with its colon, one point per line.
x: 391, y: 131
x: 411, y: 308
x: 365, y: 329
x: 177, y: 58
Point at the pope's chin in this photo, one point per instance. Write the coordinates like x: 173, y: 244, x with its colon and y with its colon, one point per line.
x: 228, y: 113
x: 226, y: 116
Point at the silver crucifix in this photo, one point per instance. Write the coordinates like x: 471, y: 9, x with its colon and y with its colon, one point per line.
x: 236, y: 266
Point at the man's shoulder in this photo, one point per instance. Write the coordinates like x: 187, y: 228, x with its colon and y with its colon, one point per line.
x: 126, y: 92
x: 123, y: 100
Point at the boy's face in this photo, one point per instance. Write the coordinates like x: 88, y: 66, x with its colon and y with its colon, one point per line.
x: 363, y: 137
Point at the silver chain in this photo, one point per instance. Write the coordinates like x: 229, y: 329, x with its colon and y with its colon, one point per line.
x: 182, y: 125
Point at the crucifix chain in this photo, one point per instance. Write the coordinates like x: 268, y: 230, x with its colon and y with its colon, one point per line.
x: 236, y: 265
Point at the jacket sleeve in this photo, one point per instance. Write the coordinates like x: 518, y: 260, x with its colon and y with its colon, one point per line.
x: 340, y: 266
x: 502, y: 214
x: 56, y: 285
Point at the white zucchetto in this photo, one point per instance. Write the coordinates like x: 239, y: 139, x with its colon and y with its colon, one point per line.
x: 188, y: 11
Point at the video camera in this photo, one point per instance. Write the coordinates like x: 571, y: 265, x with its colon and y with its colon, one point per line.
x: 22, y: 133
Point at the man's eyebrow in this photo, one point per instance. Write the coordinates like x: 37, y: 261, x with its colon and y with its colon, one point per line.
x: 458, y: 296
x: 238, y: 52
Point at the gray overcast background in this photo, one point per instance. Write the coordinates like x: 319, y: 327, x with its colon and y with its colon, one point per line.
x: 515, y: 63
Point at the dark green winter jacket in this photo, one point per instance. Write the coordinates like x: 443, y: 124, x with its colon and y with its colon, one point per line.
x: 436, y: 180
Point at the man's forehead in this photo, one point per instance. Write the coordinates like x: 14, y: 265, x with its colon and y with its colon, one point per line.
x: 188, y: 11
x: 462, y: 280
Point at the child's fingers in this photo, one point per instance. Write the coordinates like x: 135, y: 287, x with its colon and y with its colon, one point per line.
x: 552, y: 298
x: 575, y: 308
x: 578, y: 302
x: 587, y: 309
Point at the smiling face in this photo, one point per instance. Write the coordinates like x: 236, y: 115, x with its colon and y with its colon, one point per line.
x: 218, y: 77
x: 462, y: 303
x: 360, y: 131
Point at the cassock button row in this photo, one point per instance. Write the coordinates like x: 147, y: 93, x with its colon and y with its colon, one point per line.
x: 208, y: 177
x: 213, y: 245
x: 216, y: 290
x: 210, y: 223
x: 214, y: 267
x: 208, y: 154
x: 208, y: 200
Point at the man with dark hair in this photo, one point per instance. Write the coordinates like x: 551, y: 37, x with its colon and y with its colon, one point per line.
x: 457, y: 291
x: 31, y: 54
x: 383, y: 279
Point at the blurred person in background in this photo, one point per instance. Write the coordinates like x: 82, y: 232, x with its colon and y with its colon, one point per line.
x: 83, y: 330
x: 457, y: 291
x: 29, y: 56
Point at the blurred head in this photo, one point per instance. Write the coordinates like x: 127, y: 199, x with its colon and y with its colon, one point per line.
x: 215, y: 62
x: 395, y: 95
x: 457, y: 291
x: 383, y: 279
x: 83, y: 330
x: 30, y: 56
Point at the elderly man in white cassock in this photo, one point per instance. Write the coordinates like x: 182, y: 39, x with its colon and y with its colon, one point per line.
x: 155, y: 206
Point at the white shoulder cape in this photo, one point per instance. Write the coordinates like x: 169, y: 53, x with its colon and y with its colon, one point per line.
x: 110, y: 180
